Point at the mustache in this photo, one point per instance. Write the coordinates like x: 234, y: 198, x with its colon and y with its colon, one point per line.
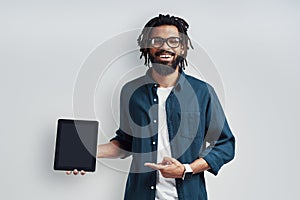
x: 164, y: 52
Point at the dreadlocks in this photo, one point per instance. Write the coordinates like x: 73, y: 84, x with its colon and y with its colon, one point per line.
x: 182, y: 26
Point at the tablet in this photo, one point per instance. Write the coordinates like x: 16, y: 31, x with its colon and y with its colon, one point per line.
x: 76, y: 145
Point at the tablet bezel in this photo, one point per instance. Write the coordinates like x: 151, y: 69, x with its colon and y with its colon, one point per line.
x: 91, y: 166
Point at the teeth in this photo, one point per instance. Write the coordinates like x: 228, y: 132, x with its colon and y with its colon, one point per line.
x: 165, y: 56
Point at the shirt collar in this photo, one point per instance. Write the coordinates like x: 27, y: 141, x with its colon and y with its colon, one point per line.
x: 178, y: 86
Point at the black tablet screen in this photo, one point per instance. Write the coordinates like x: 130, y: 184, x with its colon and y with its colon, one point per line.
x: 76, y: 145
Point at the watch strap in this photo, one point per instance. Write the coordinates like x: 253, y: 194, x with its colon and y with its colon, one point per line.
x: 188, y: 172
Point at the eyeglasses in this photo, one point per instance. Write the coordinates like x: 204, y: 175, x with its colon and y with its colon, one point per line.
x: 158, y: 42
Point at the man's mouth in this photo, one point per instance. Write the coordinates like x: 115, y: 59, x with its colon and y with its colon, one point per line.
x: 165, y: 56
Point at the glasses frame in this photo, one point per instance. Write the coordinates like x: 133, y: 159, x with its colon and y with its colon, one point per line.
x: 165, y: 40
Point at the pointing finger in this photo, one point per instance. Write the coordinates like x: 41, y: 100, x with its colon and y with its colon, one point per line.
x: 155, y: 166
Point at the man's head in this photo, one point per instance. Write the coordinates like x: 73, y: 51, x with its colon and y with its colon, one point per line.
x: 164, y: 42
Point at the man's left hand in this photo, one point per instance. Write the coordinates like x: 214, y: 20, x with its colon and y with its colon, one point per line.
x: 169, y: 167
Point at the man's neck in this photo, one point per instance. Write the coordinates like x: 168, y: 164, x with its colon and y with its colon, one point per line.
x: 166, y: 81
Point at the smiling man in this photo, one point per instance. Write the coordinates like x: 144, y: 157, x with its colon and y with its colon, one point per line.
x: 165, y: 53
x: 172, y: 124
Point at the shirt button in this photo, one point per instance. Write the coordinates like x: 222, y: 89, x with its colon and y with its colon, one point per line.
x: 153, y: 142
x: 152, y: 187
x: 154, y: 100
x: 155, y: 85
x: 154, y: 121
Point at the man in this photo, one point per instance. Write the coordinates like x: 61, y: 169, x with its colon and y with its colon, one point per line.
x: 171, y: 124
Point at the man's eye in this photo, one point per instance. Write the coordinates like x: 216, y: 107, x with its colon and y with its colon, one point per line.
x: 173, y: 41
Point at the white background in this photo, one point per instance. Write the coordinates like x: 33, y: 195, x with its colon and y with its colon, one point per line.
x: 253, y: 44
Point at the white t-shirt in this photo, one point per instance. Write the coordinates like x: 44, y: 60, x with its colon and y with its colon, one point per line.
x: 165, y: 187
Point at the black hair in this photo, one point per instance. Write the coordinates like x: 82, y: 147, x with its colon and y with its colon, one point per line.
x: 182, y: 27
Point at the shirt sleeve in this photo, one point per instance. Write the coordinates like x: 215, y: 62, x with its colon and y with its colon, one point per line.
x: 123, y: 135
x: 221, y: 141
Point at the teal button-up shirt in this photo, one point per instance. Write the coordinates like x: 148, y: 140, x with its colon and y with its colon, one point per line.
x: 197, y: 128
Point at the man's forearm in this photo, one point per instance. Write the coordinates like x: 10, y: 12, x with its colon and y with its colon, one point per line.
x: 199, y: 165
x: 110, y: 150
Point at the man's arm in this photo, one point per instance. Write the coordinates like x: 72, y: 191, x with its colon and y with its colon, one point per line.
x: 110, y: 150
x: 172, y: 168
x: 221, y: 148
x: 199, y: 165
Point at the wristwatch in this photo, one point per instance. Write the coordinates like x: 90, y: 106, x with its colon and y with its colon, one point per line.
x: 188, y: 172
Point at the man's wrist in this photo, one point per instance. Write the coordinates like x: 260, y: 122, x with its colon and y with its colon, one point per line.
x: 188, y: 172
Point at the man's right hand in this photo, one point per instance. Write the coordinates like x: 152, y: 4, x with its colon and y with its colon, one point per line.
x: 75, y: 172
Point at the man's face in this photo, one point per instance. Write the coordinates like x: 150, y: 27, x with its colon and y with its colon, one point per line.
x: 165, y: 58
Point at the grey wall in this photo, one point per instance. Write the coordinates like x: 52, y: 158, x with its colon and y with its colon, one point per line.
x: 254, y: 46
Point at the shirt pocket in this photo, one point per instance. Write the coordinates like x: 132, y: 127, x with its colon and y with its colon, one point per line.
x: 189, y: 140
x: 189, y: 125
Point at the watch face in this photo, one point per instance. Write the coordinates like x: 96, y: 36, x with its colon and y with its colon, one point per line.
x: 188, y: 175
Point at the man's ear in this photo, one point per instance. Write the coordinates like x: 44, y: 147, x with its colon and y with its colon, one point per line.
x: 181, y: 50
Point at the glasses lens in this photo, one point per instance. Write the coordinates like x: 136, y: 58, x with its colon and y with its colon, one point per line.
x: 157, y: 42
x: 173, y: 42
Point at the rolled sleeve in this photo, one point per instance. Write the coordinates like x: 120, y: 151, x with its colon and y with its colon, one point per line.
x: 124, y: 140
x: 219, y: 136
x: 123, y: 133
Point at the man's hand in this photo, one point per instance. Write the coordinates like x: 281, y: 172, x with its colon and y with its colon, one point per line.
x: 169, y: 167
x: 75, y: 172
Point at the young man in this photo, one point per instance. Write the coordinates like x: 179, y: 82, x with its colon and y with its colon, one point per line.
x: 167, y: 118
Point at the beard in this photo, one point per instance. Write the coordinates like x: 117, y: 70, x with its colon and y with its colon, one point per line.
x: 165, y: 68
